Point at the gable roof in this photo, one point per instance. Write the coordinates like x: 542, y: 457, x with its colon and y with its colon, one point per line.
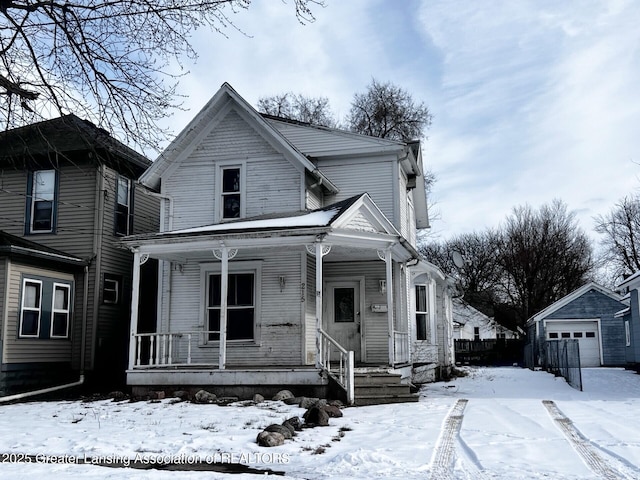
x: 12, y: 245
x: 65, y: 134
x: 570, y: 298
x: 204, y: 122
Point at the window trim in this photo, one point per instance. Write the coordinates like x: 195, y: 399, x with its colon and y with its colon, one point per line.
x: 117, y: 279
x: 220, y: 168
x: 420, y: 312
x: 22, y: 307
x: 31, y: 202
x: 54, y: 310
x: 129, y: 224
x: 237, y: 267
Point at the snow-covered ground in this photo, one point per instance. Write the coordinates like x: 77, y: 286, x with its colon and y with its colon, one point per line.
x: 504, y: 423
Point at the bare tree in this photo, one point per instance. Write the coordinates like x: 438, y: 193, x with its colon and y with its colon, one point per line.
x: 105, y: 61
x: 545, y: 255
x: 388, y: 111
x: 621, y: 237
x: 295, y: 106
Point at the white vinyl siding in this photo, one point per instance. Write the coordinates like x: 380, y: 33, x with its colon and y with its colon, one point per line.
x: 271, y: 183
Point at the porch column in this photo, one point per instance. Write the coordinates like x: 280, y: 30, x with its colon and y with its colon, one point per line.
x: 386, y: 256
x: 319, y: 251
x: 223, y: 254
x: 135, y: 298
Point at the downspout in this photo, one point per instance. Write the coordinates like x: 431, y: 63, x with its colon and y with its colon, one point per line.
x: 161, y: 196
x: 97, y: 250
x: 20, y: 396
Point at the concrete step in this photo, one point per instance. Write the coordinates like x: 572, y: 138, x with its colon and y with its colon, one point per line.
x: 382, y: 389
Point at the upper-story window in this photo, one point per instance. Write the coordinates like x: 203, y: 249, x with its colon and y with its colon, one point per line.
x: 421, y: 312
x: 42, y: 198
x: 231, y: 192
x: 123, y: 206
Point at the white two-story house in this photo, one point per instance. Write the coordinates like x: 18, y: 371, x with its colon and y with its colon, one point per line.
x: 284, y: 256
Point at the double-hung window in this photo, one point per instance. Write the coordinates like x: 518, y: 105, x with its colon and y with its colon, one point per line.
x: 42, y: 197
x: 231, y: 188
x: 123, y: 206
x: 31, y: 310
x: 241, y: 306
x: 60, y: 311
x: 421, y: 312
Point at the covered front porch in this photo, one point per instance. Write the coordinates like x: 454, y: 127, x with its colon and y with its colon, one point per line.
x: 263, y: 306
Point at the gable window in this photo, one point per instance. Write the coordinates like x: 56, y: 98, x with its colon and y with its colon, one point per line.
x: 60, y: 311
x: 31, y: 310
x: 241, y: 306
x: 421, y: 312
x: 123, y: 206
x: 111, y: 289
x: 42, y: 196
x: 476, y: 333
x: 231, y: 193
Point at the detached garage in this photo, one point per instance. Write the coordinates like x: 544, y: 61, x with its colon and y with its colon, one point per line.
x: 586, y: 315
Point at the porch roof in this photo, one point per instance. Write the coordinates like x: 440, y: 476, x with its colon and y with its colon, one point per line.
x: 331, y: 225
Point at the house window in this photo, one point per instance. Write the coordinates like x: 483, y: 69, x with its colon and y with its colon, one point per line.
x: 231, y: 196
x: 476, y: 333
x: 31, y: 310
x: 421, y: 312
x: 42, y: 196
x: 627, y: 333
x: 111, y: 289
x: 241, y: 306
x: 553, y: 335
x: 60, y: 311
x: 123, y: 206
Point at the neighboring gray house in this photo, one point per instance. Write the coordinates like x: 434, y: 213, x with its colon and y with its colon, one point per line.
x: 67, y: 196
x: 471, y: 324
x: 432, y: 330
x: 588, y: 315
x: 630, y: 316
x: 284, y: 253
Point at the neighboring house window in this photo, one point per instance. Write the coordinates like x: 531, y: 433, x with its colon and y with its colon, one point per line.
x: 31, y: 310
x: 45, y: 308
x: 42, y: 197
x: 231, y: 193
x: 421, y: 312
x: 627, y: 333
x: 111, y: 289
x: 502, y: 336
x: 476, y: 333
x: 241, y: 306
x: 553, y: 335
x: 123, y: 206
x: 60, y: 311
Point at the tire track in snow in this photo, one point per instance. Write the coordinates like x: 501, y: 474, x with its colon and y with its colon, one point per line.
x: 445, y: 453
x: 589, y: 453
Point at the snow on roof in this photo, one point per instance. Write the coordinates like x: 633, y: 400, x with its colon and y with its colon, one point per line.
x: 320, y: 218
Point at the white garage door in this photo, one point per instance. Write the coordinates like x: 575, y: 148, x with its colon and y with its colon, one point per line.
x: 585, y: 332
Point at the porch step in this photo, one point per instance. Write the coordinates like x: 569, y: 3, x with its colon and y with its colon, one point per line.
x: 376, y: 388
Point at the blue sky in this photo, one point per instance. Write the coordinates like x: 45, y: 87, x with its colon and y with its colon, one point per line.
x: 532, y: 100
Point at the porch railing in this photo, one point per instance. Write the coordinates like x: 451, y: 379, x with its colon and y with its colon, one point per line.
x: 337, y: 362
x: 169, y: 348
x: 400, y: 347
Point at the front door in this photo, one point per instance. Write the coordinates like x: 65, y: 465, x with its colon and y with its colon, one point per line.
x: 342, y: 318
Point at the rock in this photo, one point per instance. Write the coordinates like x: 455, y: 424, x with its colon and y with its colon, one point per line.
x: 294, y: 422
x: 308, y: 402
x: 316, y: 416
x: 117, y: 395
x: 181, y: 394
x: 332, y: 411
x: 204, y: 397
x: 336, y: 403
x: 284, y: 431
x: 289, y: 427
x: 282, y: 395
x: 257, y: 398
x: 293, y: 400
x: 270, y: 439
x: 226, y: 400
x: 320, y: 403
